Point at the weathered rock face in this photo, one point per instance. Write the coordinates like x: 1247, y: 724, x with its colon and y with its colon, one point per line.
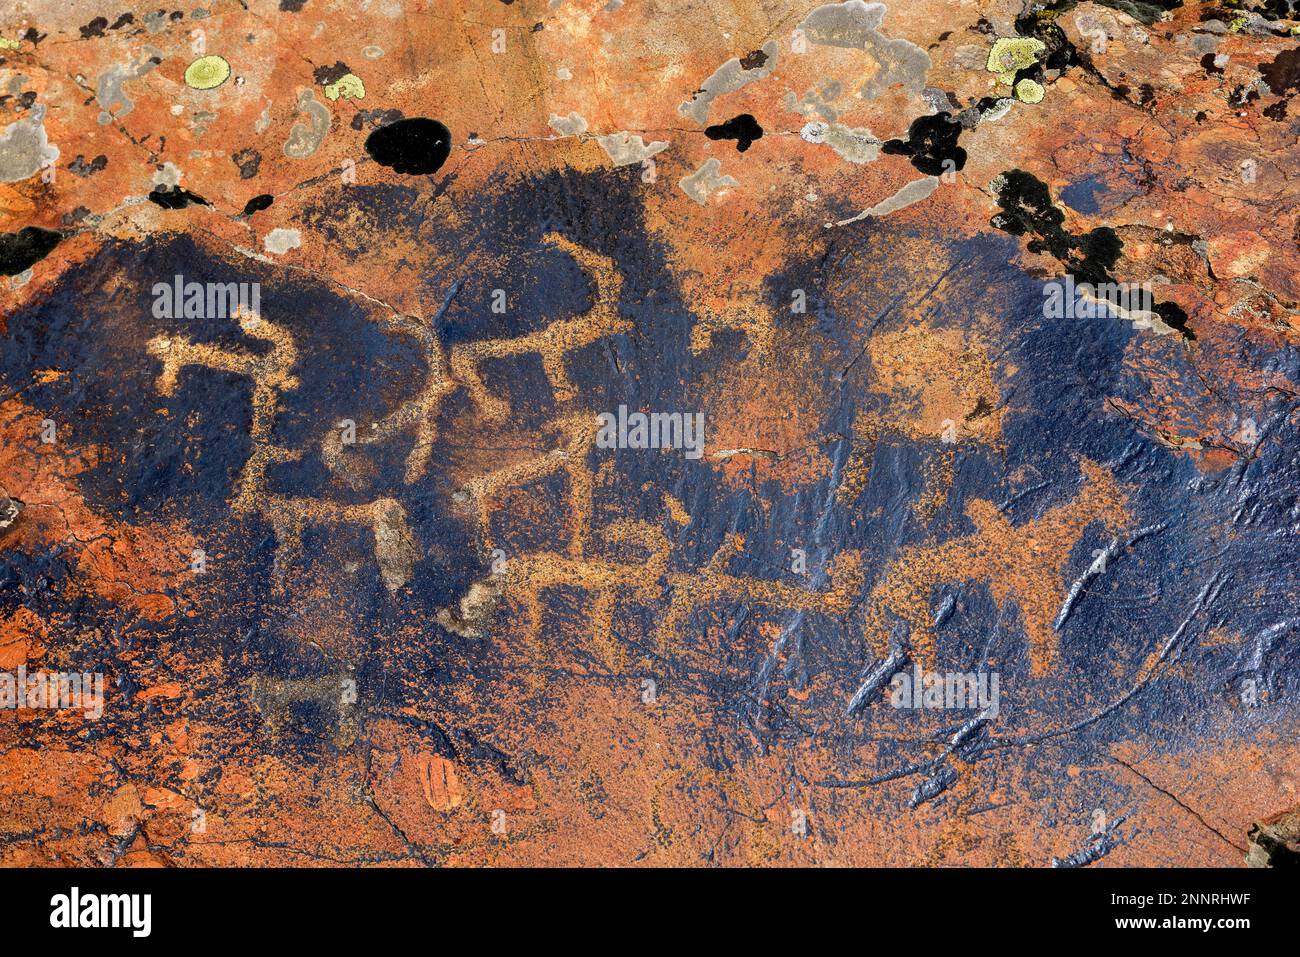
x: 713, y: 433
x: 1275, y: 843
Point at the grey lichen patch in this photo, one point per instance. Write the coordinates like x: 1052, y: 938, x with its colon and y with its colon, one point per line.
x: 572, y: 125
x: 625, y: 149
x: 736, y: 73
x: 939, y: 100
x: 202, y: 119
x: 913, y: 192
x: 998, y: 110
x: 305, y: 138
x: 477, y: 608
x: 156, y: 21
x: 168, y: 175
x: 705, y: 181
x: 816, y: 102
x: 9, y: 509
x: 110, y: 92
x: 279, y: 241
x: 855, y: 25
x: 25, y: 149
x: 855, y: 144
x: 395, y: 549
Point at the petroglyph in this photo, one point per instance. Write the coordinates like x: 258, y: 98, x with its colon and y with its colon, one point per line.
x: 1024, y: 564
x: 272, y: 375
x: 551, y: 343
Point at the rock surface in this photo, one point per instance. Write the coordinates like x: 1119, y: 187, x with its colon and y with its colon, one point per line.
x: 364, y: 584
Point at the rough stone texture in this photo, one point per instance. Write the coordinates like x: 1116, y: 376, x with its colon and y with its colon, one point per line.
x: 471, y: 636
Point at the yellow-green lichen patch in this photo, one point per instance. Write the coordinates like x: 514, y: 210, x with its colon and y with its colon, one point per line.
x: 207, y: 73
x: 7, y: 44
x: 348, y: 86
x: 1010, y: 55
x: 1028, y: 91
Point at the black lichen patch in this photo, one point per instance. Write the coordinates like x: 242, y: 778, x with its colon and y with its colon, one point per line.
x: 1268, y: 9
x: 931, y: 144
x: 1059, y: 53
x: 1027, y: 210
x: 23, y: 102
x: 1240, y: 96
x: 249, y: 161
x: 79, y: 166
x: 1144, y: 11
x: 375, y: 118
x: 1174, y: 316
x: 74, y: 216
x: 325, y: 75
x: 95, y: 28
x: 753, y: 60
x: 1279, y: 9
x: 744, y: 129
x: 292, y: 6
x: 1283, y: 74
x: 20, y: 250
x: 258, y: 203
x: 175, y: 197
x: 415, y: 147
